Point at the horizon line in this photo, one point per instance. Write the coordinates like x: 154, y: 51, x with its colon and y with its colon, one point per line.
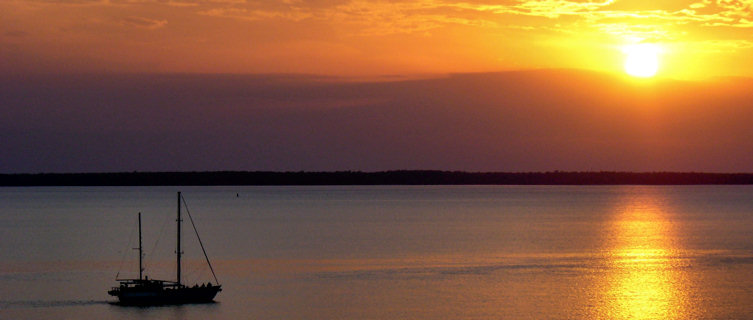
x: 394, y: 177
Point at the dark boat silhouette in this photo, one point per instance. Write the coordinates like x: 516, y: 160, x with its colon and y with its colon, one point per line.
x: 144, y: 291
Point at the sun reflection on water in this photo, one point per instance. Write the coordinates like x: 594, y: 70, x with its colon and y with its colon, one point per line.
x: 644, y: 279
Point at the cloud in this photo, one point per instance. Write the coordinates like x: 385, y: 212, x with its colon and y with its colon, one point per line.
x: 744, y: 23
x: 16, y: 34
x: 380, y: 17
x: 741, y: 8
x: 366, y: 17
x: 183, y: 3
x: 69, y: 2
x: 483, y: 34
x: 721, y: 46
x: 146, y: 23
x: 391, y: 17
x: 557, y: 8
x: 257, y: 14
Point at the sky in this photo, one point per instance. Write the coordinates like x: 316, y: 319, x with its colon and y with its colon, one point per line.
x: 529, y: 85
x: 699, y: 38
x: 538, y: 120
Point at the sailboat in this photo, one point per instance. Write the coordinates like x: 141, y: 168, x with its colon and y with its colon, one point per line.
x: 145, y: 291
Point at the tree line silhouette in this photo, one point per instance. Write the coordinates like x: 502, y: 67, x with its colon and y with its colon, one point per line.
x: 398, y: 177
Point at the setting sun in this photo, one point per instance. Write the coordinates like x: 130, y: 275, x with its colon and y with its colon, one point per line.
x: 642, y: 60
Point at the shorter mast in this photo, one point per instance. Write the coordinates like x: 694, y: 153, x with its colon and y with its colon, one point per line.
x: 141, y: 251
x: 177, y: 252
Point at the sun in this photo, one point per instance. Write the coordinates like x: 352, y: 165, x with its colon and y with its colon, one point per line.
x: 642, y: 59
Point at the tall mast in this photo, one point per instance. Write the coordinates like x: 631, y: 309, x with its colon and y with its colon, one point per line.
x: 178, y: 252
x: 141, y: 251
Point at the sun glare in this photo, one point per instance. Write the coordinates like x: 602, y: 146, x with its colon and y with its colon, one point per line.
x: 642, y: 60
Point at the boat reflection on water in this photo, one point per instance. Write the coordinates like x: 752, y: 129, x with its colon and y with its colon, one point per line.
x: 644, y: 277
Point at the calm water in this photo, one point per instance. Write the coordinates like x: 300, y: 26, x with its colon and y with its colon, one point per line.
x: 391, y: 252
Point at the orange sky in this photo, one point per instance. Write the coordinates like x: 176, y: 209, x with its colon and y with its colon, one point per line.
x: 699, y: 38
x: 533, y: 85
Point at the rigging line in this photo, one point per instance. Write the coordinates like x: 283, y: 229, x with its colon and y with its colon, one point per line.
x: 200, y: 243
x: 125, y: 252
x: 159, y: 236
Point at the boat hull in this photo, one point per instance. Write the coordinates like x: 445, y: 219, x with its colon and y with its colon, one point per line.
x: 150, y: 296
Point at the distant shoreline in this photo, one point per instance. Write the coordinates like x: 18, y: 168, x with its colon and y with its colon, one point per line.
x: 399, y: 177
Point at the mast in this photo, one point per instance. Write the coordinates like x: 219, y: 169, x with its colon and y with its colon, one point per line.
x: 141, y: 251
x: 178, y: 252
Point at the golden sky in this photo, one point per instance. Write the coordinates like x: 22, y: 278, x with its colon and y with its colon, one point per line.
x: 697, y: 39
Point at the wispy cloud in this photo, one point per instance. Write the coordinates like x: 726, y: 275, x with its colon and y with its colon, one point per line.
x: 146, y: 23
x: 16, y: 33
x: 257, y: 14
x: 394, y: 17
x: 375, y: 17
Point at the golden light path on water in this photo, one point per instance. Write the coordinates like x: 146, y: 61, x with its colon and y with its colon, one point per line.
x: 644, y: 278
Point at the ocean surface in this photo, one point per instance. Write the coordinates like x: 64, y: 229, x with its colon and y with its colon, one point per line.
x: 387, y: 252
